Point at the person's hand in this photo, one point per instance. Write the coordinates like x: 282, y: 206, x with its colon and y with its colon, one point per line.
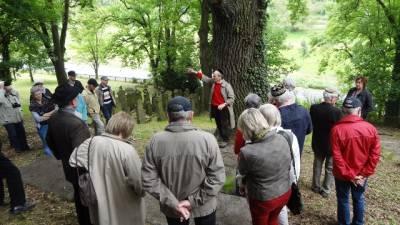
x: 185, y: 204
x: 242, y: 190
x: 360, y: 180
x: 191, y: 71
x: 183, y: 212
x: 220, y: 107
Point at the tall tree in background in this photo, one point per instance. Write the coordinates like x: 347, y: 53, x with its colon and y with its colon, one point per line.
x: 49, y: 19
x: 90, y: 38
x: 158, y: 32
x: 364, y: 38
x: 238, y: 46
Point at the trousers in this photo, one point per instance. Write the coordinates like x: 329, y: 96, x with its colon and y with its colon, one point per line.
x: 12, y: 175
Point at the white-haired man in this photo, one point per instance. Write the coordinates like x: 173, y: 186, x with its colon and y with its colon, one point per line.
x: 294, y: 117
x: 324, y: 116
x: 183, y: 168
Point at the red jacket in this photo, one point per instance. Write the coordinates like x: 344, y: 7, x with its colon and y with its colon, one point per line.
x: 239, y: 142
x: 356, y: 148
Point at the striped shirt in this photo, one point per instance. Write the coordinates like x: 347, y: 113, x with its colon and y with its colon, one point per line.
x: 106, y: 95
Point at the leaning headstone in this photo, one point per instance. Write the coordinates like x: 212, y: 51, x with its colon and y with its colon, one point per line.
x: 122, y: 101
x: 140, y: 112
x: 130, y: 99
x: 159, y: 110
x: 166, y: 96
x: 147, y: 101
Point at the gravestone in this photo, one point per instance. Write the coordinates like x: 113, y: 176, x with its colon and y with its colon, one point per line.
x: 130, y: 99
x: 140, y: 112
x: 166, y: 96
x: 147, y: 100
x: 122, y: 101
x: 158, y: 108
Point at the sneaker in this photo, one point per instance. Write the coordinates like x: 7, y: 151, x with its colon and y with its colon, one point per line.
x: 316, y: 190
x: 22, y: 208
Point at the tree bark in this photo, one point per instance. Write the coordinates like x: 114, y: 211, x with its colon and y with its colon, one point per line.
x: 205, y: 51
x: 238, y: 47
x: 30, y: 73
x: 392, y: 111
x: 5, y: 73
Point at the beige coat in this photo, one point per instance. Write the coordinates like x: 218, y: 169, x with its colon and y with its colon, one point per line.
x: 8, y: 114
x: 92, y: 101
x: 227, y: 93
x: 181, y: 163
x: 115, y: 169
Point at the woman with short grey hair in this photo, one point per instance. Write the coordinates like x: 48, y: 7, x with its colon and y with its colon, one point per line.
x: 273, y: 116
x: 264, y: 164
x: 115, y: 169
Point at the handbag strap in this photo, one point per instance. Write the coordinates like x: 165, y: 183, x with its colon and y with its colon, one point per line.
x: 88, y: 156
x: 290, y: 141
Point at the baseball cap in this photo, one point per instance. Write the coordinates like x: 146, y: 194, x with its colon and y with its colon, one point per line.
x: 179, y: 104
x: 104, y: 78
x: 351, y: 102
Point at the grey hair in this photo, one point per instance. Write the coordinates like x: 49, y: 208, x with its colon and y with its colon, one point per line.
x: 286, y: 97
x: 329, y: 96
x: 271, y: 114
x: 351, y: 111
x: 176, y: 116
x: 289, y: 83
x: 252, y: 101
x: 253, y: 124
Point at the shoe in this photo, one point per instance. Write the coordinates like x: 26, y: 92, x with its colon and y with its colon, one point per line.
x: 316, y: 190
x: 324, y: 194
x: 22, y: 208
x: 222, y: 144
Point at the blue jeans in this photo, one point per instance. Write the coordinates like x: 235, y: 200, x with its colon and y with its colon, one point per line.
x: 343, y: 188
x: 42, y: 134
x: 107, y: 111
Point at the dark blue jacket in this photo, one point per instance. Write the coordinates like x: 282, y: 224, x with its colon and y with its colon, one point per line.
x: 297, y: 119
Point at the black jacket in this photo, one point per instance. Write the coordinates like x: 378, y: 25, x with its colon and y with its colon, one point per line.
x: 65, y: 133
x: 365, y: 98
x: 323, y: 116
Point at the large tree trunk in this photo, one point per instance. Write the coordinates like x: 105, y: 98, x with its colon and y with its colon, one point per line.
x: 205, y: 52
x: 238, y: 47
x: 5, y: 73
x: 392, y: 111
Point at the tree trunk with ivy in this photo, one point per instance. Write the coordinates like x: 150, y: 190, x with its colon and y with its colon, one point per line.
x: 238, y: 46
x: 5, y: 73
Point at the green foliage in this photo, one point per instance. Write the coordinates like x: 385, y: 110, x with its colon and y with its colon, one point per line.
x: 298, y: 11
x: 90, y: 37
x: 277, y: 62
x: 159, y: 32
x: 362, y: 42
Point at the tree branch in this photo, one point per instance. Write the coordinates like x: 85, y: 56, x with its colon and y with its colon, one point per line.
x: 389, y: 15
x: 64, y: 25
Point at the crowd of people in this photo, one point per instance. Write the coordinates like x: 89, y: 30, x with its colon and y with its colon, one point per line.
x: 183, y: 167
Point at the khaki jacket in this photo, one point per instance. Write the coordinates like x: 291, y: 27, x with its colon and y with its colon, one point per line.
x: 92, y: 101
x: 183, y: 163
x: 228, y: 94
x: 115, y: 169
x: 8, y: 114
